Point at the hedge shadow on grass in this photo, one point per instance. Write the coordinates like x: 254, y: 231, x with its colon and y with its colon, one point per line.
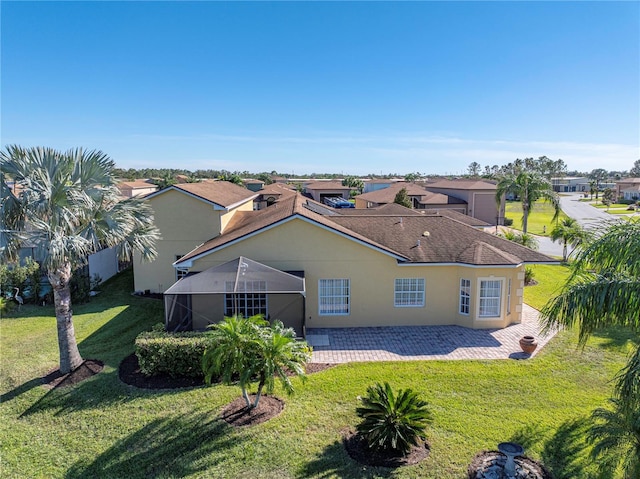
x: 177, y: 446
x: 99, y: 392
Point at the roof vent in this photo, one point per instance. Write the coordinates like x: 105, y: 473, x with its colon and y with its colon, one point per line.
x: 418, y: 243
x: 426, y: 234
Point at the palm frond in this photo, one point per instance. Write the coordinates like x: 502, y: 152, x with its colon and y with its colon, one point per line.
x: 593, y: 301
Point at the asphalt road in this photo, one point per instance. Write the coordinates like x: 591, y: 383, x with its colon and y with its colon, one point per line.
x: 587, y: 216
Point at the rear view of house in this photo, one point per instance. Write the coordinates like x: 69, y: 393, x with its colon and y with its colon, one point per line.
x: 378, y: 268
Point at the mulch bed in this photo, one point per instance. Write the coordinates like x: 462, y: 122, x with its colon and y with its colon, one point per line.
x: 359, y: 451
x: 89, y: 368
x: 129, y: 373
x: 238, y: 414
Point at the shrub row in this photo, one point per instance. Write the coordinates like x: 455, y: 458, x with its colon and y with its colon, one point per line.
x: 175, y: 354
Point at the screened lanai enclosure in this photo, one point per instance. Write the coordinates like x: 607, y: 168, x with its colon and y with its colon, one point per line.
x: 239, y: 287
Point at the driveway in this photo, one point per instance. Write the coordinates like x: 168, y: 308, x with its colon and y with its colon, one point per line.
x: 413, y: 343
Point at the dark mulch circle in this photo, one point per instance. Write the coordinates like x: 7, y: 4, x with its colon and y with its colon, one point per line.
x: 484, y: 459
x: 238, y: 414
x: 129, y: 373
x: 89, y: 368
x: 358, y: 450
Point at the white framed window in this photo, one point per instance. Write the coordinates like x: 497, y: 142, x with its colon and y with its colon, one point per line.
x: 249, y: 300
x: 465, y: 296
x: 490, y: 297
x: 509, y: 297
x: 408, y: 293
x: 181, y: 273
x: 334, y: 297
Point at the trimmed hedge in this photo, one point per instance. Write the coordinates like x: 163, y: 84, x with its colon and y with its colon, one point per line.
x: 175, y: 354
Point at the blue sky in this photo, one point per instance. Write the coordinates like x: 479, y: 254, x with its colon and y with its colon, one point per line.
x: 353, y: 88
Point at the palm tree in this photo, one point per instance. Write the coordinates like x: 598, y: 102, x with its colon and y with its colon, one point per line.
x: 569, y: 232
x: 598, y: 176
x: 68, y: 208
x: 279, y: 353
x: 166, y: 179
x: 603, y: 290
x: 524, y: 239
x: 529, y: 186
x: 352, y: 182
x: 233, y: 345
x: 248, y: 348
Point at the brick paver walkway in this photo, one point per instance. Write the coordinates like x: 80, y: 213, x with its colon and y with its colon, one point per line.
x: 405, y: 343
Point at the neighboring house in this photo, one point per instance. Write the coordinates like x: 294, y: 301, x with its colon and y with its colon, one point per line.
x: 319, y: 190
x: 382, y: 267
x: 379, y: 184
x: 269, y: 194
x: 582, y: 184
x: 129, y: 189
x: 479, y: 195
x: 569, y: 184
x: 187, y: 215
x: 419, y: 196
x: 628, y: 189
x: 253, y: 185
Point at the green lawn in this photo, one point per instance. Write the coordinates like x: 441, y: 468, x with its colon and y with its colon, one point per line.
x: 550, y: 279
x: 539, y: 218
x: 103, y: 428
x: 615, y: 208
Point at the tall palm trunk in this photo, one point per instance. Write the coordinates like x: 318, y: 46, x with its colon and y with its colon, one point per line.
x: 70, y: 358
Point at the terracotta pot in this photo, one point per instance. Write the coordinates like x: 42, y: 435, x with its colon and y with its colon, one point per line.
x: 528, y: 344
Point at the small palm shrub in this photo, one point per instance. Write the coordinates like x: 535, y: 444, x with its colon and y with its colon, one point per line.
x: 529, y: 275
x: 393, y: 422
x: 247, y: 349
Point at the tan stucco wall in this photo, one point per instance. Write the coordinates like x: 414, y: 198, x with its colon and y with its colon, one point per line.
x: 184, y: 223
x: 485, y: 207
x: 360, y: 203
x: 226, y: 216
x: 322, y: 254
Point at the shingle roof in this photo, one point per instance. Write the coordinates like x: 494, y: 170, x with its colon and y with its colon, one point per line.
x: 136, y: 184
x: 462, y: 184
x: 424, y: 197
x: 326, y: 185
x: 222, y: 193
x: 456, y: 215
x: 420, y: 238
x: 440, y: 239
x: 276, y: 189
x: 245, y: 223
x: 388, y: 194
x: 388, y: 209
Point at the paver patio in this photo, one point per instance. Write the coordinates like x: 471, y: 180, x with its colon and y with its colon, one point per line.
x: 409, y: 343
